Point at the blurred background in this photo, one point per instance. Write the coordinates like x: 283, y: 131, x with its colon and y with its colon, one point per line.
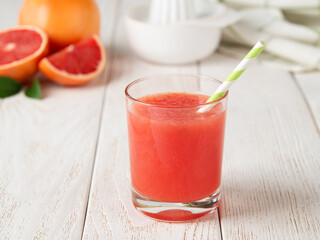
x: 291, y: 29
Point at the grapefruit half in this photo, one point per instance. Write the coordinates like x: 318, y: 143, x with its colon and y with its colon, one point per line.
x: 76, y: 64
x: 21, y: 48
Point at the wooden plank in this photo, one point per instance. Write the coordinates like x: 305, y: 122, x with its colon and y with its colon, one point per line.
x: 47, y: 150
x: 110, y: 211
x: 310, y: 86
x: 271, y: 168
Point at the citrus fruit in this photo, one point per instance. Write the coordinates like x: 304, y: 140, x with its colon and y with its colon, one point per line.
x: 21, y: 48
x: 65, y: 21
x: 76, y: 64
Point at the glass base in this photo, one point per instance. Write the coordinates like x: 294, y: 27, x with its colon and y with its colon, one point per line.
x: 175, y: 212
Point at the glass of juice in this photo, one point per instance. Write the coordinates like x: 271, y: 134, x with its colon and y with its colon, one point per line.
x: 175, y: 149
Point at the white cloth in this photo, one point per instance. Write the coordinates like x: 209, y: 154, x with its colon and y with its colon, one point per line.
x: 272, y: 21
x: 266, y: 59
x: 283, y: 4
x: 291, y: 43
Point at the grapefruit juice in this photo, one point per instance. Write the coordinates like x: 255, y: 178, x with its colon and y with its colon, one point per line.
x: 175, y: 151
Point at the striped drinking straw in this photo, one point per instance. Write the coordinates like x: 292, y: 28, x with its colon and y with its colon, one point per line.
x: 234, y: 75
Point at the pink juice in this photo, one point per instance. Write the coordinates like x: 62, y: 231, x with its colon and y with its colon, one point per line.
x: 175, y: 152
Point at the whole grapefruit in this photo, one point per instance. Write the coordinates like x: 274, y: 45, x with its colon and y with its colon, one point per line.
x: 65, y: 21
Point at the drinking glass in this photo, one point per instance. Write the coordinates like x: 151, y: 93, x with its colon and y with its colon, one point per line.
x: 175, y: 151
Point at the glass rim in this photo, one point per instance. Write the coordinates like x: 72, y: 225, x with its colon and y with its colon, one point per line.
x: 172, y: 75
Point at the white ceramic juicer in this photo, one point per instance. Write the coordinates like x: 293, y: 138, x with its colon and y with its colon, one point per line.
x: 175, y: 31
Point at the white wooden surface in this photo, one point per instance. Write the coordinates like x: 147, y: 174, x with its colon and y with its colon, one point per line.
x: 47, y: 151
x: 64, y: 160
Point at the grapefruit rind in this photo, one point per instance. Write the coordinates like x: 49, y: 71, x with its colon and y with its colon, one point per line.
x: 68, y: 79
x: 22, y: 69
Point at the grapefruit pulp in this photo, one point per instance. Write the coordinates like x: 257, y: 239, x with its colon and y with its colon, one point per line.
x: 76, y: 64
x: 21, y: 48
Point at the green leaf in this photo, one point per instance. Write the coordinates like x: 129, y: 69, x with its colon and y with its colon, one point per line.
x: 8, y: 87
x: 34, y: 91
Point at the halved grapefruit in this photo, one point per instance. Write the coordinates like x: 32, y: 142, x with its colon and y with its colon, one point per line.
x: 76, y: 64
x: 21, y: 48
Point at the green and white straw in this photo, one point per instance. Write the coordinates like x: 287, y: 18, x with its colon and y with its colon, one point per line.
x: 234, y: 75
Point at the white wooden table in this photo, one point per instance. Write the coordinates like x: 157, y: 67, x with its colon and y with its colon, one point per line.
x: 64, y: 160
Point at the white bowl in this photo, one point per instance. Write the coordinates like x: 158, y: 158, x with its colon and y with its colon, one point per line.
x: 178, y: 43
